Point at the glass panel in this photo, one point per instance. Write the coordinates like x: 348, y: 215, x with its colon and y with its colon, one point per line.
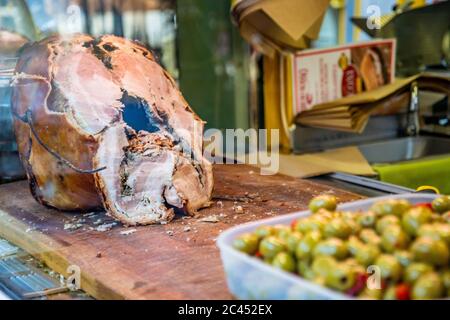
x: 15, y: 16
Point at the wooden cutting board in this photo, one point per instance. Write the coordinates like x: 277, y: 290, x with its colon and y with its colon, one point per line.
x: 179, y: 260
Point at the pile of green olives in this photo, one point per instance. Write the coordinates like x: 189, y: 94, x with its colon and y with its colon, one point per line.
x: 409, y: 245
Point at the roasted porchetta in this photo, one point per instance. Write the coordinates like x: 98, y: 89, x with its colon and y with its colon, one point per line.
x: 100, y: 124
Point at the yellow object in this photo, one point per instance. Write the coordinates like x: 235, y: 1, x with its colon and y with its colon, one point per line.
x: 342, y: 25
x: 357, y: 13
x: 413, y: 174
x: 345, y: 160
x: 423, y: 188
x: 234, y: 3
x: 343, y: 61
x: 416, y: 3
x: 278, y: 98
x: 338, y: 4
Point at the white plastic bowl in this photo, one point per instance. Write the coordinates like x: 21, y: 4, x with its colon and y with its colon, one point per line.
x: 250, y: 278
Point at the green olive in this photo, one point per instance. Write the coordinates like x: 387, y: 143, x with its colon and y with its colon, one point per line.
x: 282, y: 231
x: 441, y: 204
x: 247, y: 243
x: 324, y: 214
x: 306, y: 245
x: 437, y: 218
x: 428, y: 286
x: 338, y: 228
x: 446, y: 217
x: 333, y: 247
x: 354, y: 244
x: 355, y: 266
x: 436, y: 231
x: 367, y: 220
x: 336, y: 214
x: 409, y: 245
x: 340, y: 277
x: 355, y: 227
x: 414, y: 218
x: 369, y: 236
x: 428, y: 230
x: 304, y: 269
x: 348, y: 215
x: 327, y: 202
x: 386, y: 221
x: 390, y: 293
x: 430, y: 251
x: 401, y: 207
x: 404, y: 257
x: 313, y: 223
x: 302, y: 265
x: 367, y: 254
x: 323, y: 265
x: 292, y: 241
x: 443, y: 229
x: 394, y: 238
x: 271, y: 246
x: 391, y: 269
x: 264, y: 231
x: 415, y: 270
x: 284, y: 261
x: 268, y: 260
x: 391, y: 207
x: 445, y: 277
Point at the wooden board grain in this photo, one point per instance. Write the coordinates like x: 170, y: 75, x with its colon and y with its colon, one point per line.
x: 179, y: 260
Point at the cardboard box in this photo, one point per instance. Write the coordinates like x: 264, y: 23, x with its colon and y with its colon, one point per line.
x: 323, y: 75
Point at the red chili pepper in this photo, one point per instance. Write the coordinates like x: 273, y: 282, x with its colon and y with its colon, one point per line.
x: 402, y: 292
x: 258, y: 254
x: 360, y: 284
x: 424, y: 204
x: 294, y: 224
x: 384, y: 284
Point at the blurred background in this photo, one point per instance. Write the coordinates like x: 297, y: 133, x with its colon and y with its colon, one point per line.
x: 194, y: 39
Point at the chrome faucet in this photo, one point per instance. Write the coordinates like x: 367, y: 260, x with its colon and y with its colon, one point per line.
x: 412, y: 119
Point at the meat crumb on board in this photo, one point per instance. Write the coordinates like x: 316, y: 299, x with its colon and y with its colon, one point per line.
x: 238, y: 209
x: 105, y: 227
x: 233, y: 206
x: 211, y: 219
x: 72, y: 226
x: 128, y: 232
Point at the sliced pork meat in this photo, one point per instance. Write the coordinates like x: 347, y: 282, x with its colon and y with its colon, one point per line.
x: 99, y: 123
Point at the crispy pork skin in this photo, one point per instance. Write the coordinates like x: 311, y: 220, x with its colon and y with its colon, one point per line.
x: 99, y: 123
